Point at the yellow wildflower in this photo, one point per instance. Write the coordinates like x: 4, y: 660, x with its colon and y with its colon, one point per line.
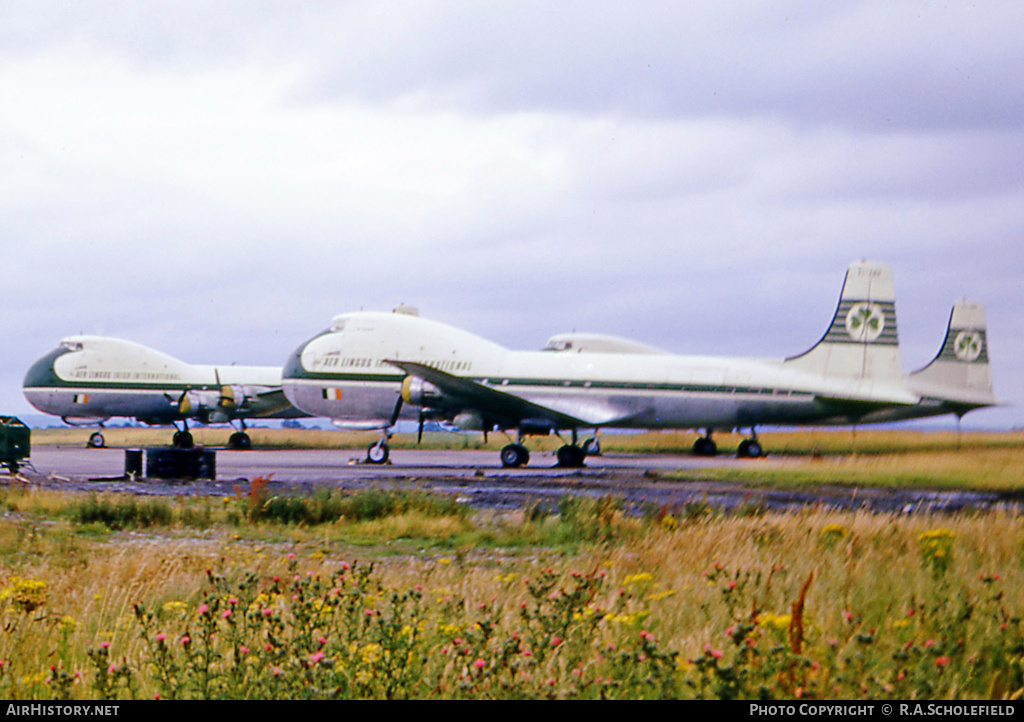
x: 26, y: 594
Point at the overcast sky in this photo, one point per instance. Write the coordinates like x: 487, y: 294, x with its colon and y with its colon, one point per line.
x: 218, y: 179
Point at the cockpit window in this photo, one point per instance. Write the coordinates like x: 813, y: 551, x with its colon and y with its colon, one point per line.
x: 71, y: 345
x: 338, y: 325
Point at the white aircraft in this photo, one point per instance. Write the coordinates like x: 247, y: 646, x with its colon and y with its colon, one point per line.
x: 88, y: 379
x: 370, y: 369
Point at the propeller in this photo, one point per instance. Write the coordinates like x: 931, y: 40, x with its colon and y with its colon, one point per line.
x: 396, y: 412
x: 184, y: 404
x: 227, y: 394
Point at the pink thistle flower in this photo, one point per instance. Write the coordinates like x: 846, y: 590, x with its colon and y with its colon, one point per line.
x: 942, y: 661
x: 316, y: 657
x: 479, y: 664
x: 847, y: 615
x: 555, y: 641
x: 267, y: 612
x: 322, y: 640
x: 345, y: 566
x: 203, y: 609
x: 112, y: 669
x: 232, y: 601
x: 226, y: 613
x: 243, y: 650
x: 929, y: 643
x: 291, y: 555
x: 160, y: 637
x: 268, y: 647
x: 185, y: 640
x: 105, y: 645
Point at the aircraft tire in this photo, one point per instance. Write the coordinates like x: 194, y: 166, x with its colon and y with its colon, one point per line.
x: 704, y: 446
x: 183, y: 440
x: 240, y: 441
x: 570, y: 456
x: 514, y: 456
x: 96, y: 440
x: 377, y: 454
x: 750, y: 449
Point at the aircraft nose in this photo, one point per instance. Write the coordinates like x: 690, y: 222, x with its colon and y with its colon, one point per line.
x: 293, y: 367
x: 41, y: 374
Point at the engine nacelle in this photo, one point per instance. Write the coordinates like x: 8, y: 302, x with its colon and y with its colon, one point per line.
x: 421, y: 393
x: 212, y: 406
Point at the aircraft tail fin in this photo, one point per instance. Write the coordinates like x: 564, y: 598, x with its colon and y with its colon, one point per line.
x: 960, y: 374
x: 862, y: 342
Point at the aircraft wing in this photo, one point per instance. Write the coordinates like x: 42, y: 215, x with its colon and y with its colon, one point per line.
x: 501, y: 405
x: 273, y: 404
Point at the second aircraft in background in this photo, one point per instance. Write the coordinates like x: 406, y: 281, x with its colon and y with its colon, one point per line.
x: 89, y: 379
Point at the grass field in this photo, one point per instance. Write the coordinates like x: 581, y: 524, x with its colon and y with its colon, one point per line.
x: 395, y: 595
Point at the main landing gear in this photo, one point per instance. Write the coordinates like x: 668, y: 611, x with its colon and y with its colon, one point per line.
x: 748, y: 449
x: 514, y: 456
x: 182, y: 439
x: 96, y: 440
x: 569, y: 456
x: 240, y: 441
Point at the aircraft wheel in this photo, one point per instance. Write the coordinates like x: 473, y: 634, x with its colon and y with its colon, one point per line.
x: 377, y: 453
x: 750, y: 449
x: 183, y: 440
x: 570, y: 456
x: 96, y: 440
x: 705, y: 447
x: 240, y: 441
x: 592, y: 447
x: 515, y: 455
